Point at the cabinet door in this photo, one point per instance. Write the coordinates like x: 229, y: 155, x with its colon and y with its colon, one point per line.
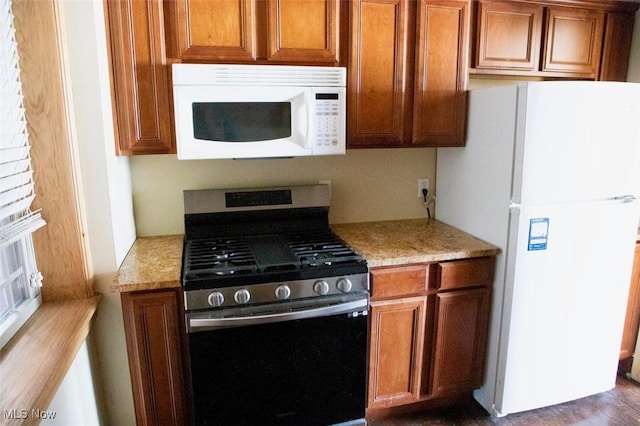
x: 617, y: 46
x: 459, y: 341
x: 440, y: 97
x: 223, y: 30
x: 151, y: 323
x: 303, y: 31
x: 141, y: 87
x: 379, y: 100
x: 249, y: 31
x: 395, y: 354
x: 573, y: 41
x: 508, y: 35
x: 632, y: 319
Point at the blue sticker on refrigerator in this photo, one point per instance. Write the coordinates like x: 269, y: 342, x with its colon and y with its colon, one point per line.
x: 538, y: 233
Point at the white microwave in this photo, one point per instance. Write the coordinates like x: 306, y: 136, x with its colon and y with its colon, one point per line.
x: 258, y: 111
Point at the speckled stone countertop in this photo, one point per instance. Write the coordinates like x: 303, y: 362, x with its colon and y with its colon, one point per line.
x: 155, y: 262
x: 152, y: 263
x: 399, y: 242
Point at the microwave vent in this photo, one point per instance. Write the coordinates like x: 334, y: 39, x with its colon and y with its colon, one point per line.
x: 258, y: 75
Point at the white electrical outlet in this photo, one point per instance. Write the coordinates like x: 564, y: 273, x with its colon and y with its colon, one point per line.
x: 423, y: 184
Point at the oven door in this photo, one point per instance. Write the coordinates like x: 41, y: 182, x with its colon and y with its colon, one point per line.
x: 304, y: 369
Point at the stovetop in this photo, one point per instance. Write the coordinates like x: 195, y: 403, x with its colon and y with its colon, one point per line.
x: 245, y: 260
x: 248, y: 247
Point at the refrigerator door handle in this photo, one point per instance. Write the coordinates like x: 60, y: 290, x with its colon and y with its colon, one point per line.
x: 625, y: 198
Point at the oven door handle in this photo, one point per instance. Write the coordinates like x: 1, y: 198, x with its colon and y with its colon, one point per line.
x: 200, y: 324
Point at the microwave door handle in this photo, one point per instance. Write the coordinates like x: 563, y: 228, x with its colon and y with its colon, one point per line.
x: 310, y: 113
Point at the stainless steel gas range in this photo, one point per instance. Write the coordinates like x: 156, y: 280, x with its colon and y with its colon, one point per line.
x: 275, y: 307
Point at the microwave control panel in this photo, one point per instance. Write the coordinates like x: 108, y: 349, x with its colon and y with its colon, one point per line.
x: 328, y: 120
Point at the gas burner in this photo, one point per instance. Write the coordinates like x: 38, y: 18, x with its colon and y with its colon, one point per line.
x: 317, y: 259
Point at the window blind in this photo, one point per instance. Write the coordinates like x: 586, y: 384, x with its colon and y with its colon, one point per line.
x: 16, y: 176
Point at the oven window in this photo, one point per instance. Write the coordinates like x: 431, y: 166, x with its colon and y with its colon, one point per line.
x: 241, y: 121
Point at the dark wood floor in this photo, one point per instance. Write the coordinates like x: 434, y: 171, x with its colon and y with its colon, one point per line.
x: 618, y: 407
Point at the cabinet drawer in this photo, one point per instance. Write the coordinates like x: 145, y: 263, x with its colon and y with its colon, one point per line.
x: 465, y: 273
x: 402, y: 281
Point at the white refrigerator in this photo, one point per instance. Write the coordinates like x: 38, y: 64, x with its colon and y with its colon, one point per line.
x: 551, y: 174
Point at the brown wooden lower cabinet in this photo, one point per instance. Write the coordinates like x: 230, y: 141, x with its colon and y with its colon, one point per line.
x: 459, y: 341
x: 429, y: 327
x: 397, y: 328
x: 151, y: 323
x: 632, y: 319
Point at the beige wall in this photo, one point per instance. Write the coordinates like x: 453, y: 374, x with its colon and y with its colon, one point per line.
x: 367, y: 185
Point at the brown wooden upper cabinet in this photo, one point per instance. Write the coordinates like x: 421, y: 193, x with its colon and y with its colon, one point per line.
x: 508, y: 35
x: 408, y: 60
x: 141, y: 87
x: 408, y: 67
x: 249, y: 31
x: 573, y: 39
x: 617, y: 45
x: 577, y: 39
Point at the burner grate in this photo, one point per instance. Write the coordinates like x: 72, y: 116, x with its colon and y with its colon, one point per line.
x: 218, y: 257
x: 324, y: 249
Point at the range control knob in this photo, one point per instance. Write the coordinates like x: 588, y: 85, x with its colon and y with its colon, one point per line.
x: 242, y: 296
x: 344, y: 285
x: 321, y: 287
x: 283, y: 292
x: 216, y: 299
